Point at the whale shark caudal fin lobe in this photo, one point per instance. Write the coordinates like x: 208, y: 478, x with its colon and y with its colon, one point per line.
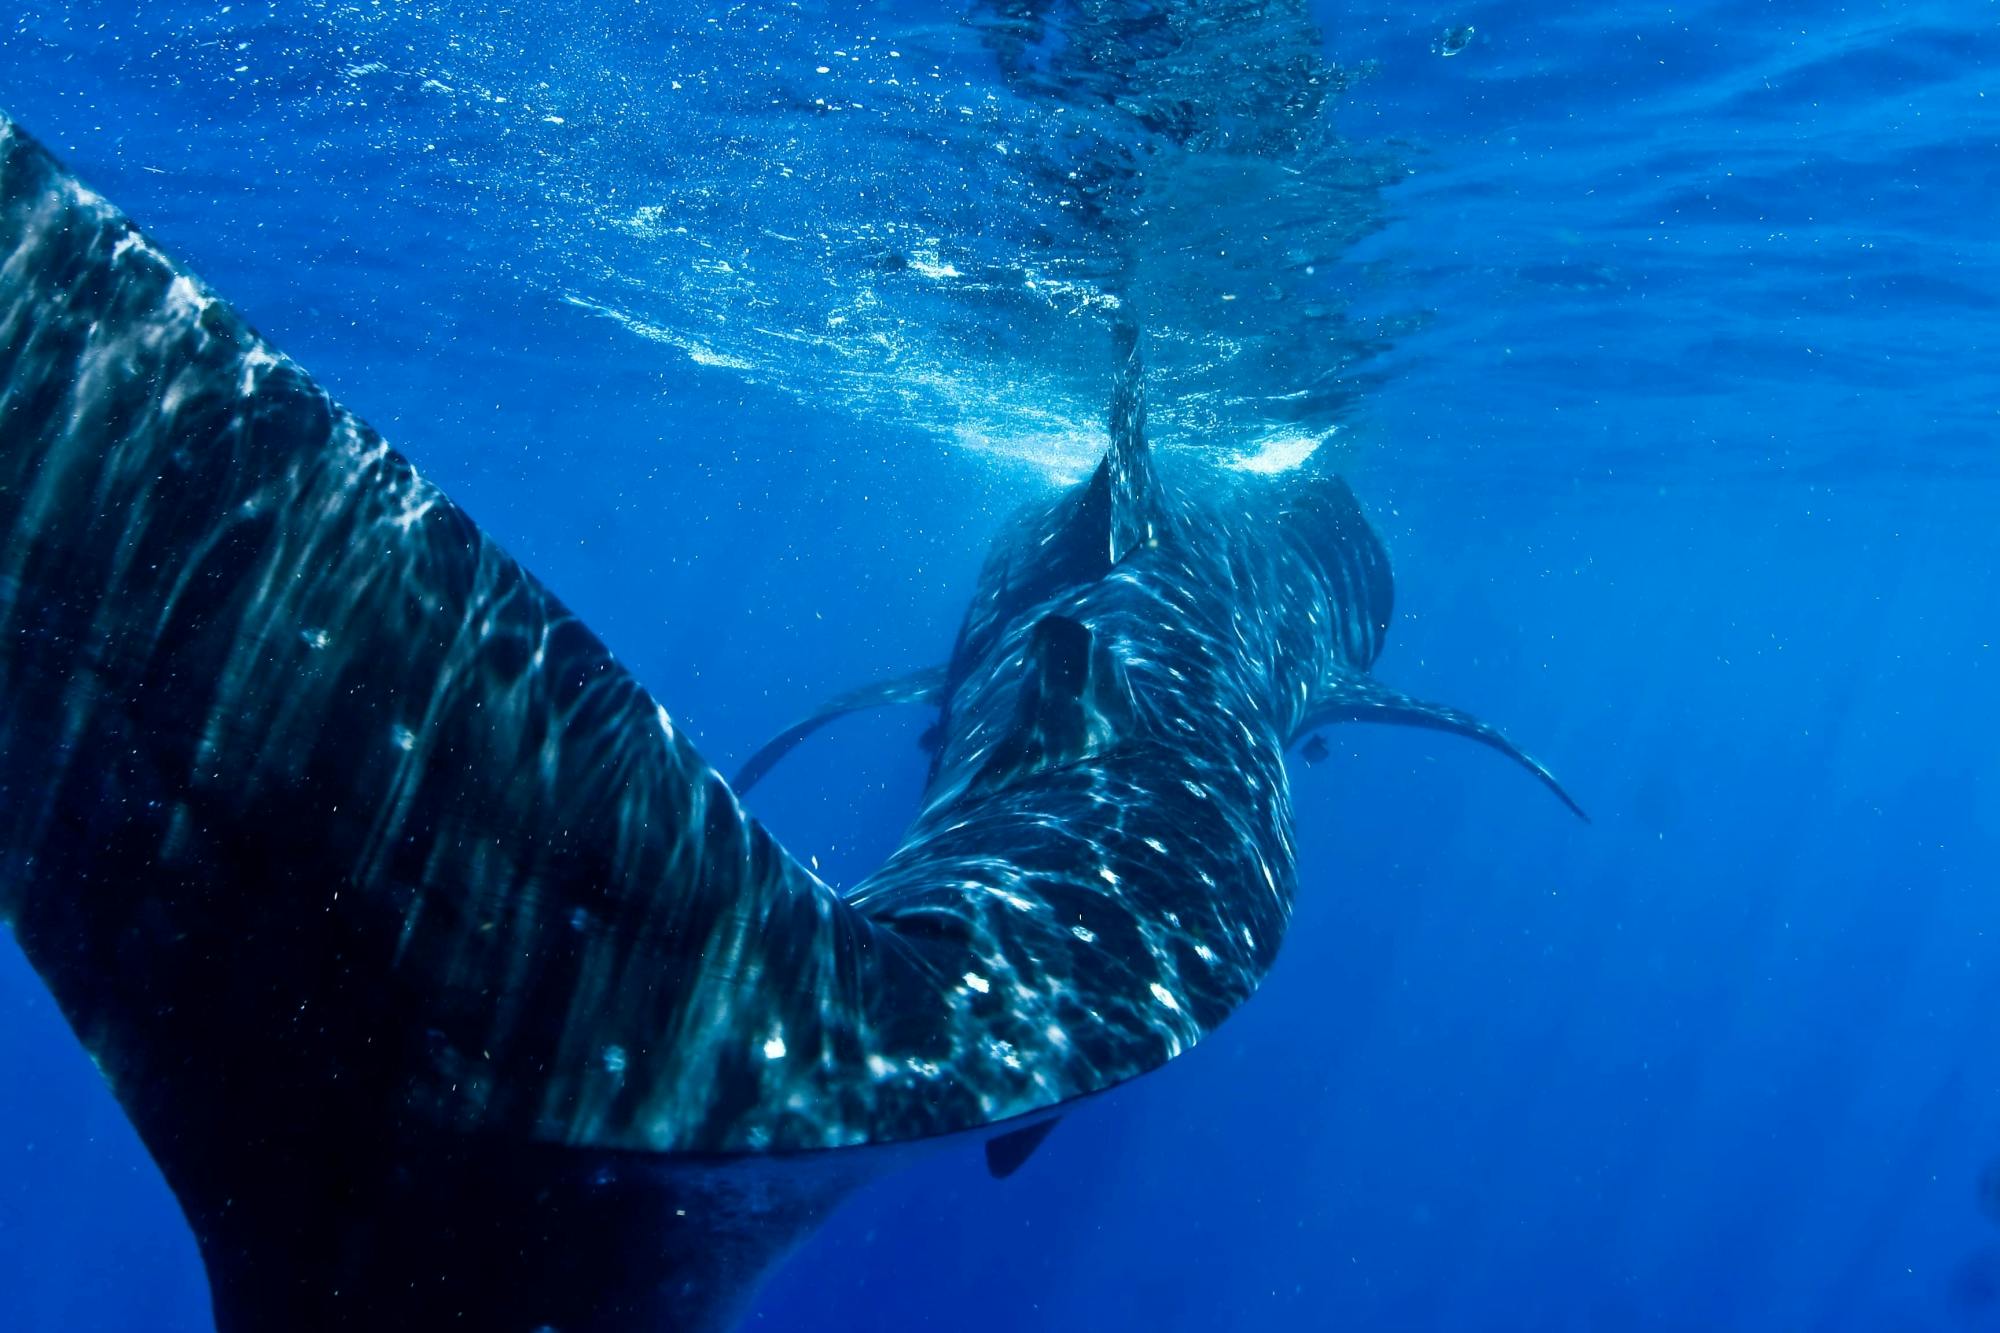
x: 918, y: 687
x: 378, y: 891
x: 1358, y: 699
x: 1007, y: 1153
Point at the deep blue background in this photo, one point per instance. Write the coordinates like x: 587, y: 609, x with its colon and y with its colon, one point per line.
x: 1690, y: 482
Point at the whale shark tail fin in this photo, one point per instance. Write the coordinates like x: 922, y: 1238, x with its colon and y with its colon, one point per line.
x: 918, y: 687
x: 357, y: 862
x: 1139, y: 514
x: 1358, y: 699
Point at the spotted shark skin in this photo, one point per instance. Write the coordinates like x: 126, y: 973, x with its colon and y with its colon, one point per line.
x: 441, y: 975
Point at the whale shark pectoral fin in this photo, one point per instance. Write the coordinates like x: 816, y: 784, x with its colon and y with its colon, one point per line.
x: 1007, y: 1153
x: 1358, y: 699
x: 1321, y: 512
x: 919, y: 687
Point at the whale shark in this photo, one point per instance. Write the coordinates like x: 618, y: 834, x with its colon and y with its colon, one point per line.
x: 445, y: 981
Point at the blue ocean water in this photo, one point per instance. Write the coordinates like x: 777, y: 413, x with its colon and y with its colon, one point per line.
x: 1660, y: 345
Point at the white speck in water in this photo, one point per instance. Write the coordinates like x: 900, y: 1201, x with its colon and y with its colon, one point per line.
x: 978, y: 983
x: 774, y: 1046
x: 315, y: 638
x: 613, y: 1059
x: 1166, y: 997
x: 405, y: 739
x: 1084, y: 933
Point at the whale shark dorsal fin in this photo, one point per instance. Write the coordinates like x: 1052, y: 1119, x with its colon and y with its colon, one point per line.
x: 1075, y: 703
x: 1053, y: 722
x: 1007, y: 1153
x: 1139, y: 516
x: 918, y: 687
x: 1123, y: 508
x: 1359, y: 699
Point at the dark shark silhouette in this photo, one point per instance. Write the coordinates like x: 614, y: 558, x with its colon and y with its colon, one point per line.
x: 444, y: 980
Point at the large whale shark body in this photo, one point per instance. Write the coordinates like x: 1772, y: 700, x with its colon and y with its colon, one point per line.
x: 446, y: 983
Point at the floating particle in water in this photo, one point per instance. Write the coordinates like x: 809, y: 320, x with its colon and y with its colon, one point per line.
x: 613, y: 1059
x: 1453, y: 40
